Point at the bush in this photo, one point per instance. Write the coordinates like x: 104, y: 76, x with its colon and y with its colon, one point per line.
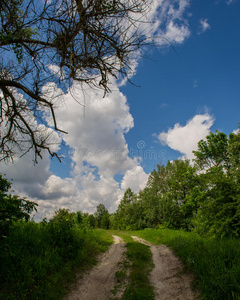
x: 12, y: 208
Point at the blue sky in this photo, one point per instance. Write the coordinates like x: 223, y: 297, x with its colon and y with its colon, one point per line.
x: 185, y: 91
x: 203, y: 77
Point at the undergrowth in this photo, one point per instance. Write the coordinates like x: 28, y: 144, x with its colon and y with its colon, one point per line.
x: 38, y: 261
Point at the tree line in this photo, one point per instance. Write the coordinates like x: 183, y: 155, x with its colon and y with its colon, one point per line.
x: 203, y: 197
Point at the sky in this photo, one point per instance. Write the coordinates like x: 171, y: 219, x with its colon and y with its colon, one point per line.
x: 181, y: 91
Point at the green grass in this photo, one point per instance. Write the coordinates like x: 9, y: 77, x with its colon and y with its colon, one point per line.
x: 139, y: 287
x: 135, y: 269
x: 214, y: 262
x: 39, y: 261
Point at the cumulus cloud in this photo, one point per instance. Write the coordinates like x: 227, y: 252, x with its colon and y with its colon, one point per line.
x: 134, y: 179
x: 185, y: 138
x: 204, y: 25
x: 96, y: 129
x: 97, y: 138
x: 99, y: 151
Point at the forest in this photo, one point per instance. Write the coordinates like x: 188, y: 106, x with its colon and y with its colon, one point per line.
x: 203, y: 197
x: 193, y: 208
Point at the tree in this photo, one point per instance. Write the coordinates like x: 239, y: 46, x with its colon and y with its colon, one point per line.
x: 180, y: 179
x: 166, y: 192
x: 127, y: 214
x: 100, y: 215
x: 91, y: 222
x: 79, y: 216
x: 234, y: 150
x: 12, y: 208
x: 58, y: 41
x: 218, y: 211
x: 63, y: 215
x: 213, y: 151
x: 219, y: 205
x: 105, y: 222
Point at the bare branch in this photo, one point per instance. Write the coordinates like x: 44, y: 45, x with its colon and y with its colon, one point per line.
x: 90, y: 41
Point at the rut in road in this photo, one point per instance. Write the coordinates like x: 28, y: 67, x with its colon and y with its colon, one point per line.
x: 98, y: 282
x: 167, y: 278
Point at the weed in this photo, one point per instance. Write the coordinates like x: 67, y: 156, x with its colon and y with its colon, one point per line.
x: 141, y: 265
x: 39, y: 260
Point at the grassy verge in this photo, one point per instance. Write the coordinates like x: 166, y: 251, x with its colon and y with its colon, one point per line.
x: 38, y: 261
x: 135, y: 269
x: 139, y: 287
x: 215, y: 263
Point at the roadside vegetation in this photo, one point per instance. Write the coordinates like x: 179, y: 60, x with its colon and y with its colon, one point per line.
x: 39, y: 260
x: 214, y: 262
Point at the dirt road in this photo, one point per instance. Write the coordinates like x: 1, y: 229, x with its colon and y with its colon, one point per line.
x: 167, y: 277
x: 98, y: 283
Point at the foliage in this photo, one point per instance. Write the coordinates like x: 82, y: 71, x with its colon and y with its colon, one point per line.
x: 12, y: 208
x: 101, y: 217
x: 105, y: 222
x: 63, y: 215
x: 49, y: 44
x: 213, y: 151
x: 219, y: 212
x: 91, y: 221
x: 204, y: 197
x: 219, y: 207
x: 160, y: 202
x: 38, y: 261
x: 128, y: 213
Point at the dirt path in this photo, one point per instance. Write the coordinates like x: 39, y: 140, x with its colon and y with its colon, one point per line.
x: 139, y: 240
x: 169, y: 281
x: 98, y: 283
x: 167, y: 277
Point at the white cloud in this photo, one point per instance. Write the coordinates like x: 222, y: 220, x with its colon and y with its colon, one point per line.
x: 176, y: 33
x: 203, y: 26
x: 168, y: 20
x: 97, y: 138
x: 135, y: 179
x: 99, y: 151
x: 185, y: 138
x: 230, y: 1
x: 236, y: 131
x: 95, y: 134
